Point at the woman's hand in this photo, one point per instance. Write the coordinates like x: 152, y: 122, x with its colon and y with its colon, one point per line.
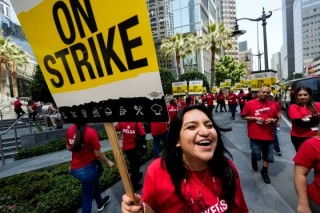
x: 127, y: 204
x: 110, y: 164
x: 303, y: 209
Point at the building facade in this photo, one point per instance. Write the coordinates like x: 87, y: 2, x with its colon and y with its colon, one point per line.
x: 24, y: 73
x: 192, y: 16
x: 288, y: 53
x: 276, y: 64
x: 307, y: 33
x: 229, y: 16
x: 246, y: 56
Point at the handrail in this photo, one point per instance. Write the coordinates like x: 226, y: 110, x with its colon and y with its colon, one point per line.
x: 5, y: 132
x: 1, y: 115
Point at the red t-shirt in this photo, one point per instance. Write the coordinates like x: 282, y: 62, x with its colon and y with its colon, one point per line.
x: 158, y: 192
x: 220, y: 97
x: 256, y: 108
x: 91, y: 143
x: 129, y: 133
x: 210, y: 98
x: 181, y: 104
x: 34, y: 106
x: 241, y: 98
x: 297, y: 112
x: 172, y: 110
x: 232, y: 99
x: 17, y: 104
x: 308, y: 156
x: 158, y: 128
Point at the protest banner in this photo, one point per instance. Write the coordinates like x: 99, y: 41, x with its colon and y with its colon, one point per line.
x: 98, y: 60
x: 262, y: 79
x: 222, y: 85
x: 195, y: 87
x: 227, y: 83
x: 214, y: 89
x: 179, y: 88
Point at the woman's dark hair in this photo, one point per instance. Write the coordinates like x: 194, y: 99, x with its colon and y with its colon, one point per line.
x: 78, y: 143
x: 310, y: 104
x: 219, y: 164
x: 188, y: 100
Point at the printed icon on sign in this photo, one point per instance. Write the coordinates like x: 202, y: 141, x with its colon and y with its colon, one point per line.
x: 108, y: 111
x: 74, y: 114
x: 122, y: 111
x: 156, y: 108
x: 96, y: 113
x: 84, y: 113
x: 138, y: 109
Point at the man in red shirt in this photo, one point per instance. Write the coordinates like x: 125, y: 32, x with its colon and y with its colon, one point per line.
x: 17, y: 105
x: 209, y: 99
x: 261, y: 116
x: 232, y: 102
x: 172, y: 108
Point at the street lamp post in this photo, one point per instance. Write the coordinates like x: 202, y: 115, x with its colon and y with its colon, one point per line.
x: 263, y: 18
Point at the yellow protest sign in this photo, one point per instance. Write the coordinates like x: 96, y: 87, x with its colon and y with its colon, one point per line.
x: 227, y: 83
x: 179, y: 88
x: 262, y: 79
x: 222, y: 85
x: 92, y: 52
x: 214, y: 89
x: 195, y: 87
x: 238, y: 86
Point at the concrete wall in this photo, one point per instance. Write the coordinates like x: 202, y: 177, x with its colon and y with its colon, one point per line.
x: 30, y: 140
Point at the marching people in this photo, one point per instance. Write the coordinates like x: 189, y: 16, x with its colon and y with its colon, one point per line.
x: 241, y: 100
x: 17, y: 106
x: 172, y: 109
x: 84, y: 144
x: 159, y: 132
x: 32, y: 110
x: 132, y: 131
x: 306, y: 159
x: 193, y: 174
x: 305, y: 115
x: 209, y: 99
x: 261, y: 117
x: 181, y: 103
x: 232, y: 102
x: 221, y: 101
x: 276, y: 146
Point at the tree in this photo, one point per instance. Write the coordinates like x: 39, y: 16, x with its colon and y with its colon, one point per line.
x: 229, y: 68
x: 218, y: 37
x: 12, y: 56
x: 166, y: 80
x: 190, y: 76
x: 176, y: 45
x: 38, y: 88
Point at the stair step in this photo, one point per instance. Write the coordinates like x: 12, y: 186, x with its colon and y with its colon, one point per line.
x: 9, y: 155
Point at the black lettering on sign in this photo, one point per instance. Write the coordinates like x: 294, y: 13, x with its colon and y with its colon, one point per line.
x: 62, y: 54
x: 108, y: 52
x: 130, y: 44
x: 50, y: 59
x: 71, y: 35
x: 68, y: 35
x: 81, y: 62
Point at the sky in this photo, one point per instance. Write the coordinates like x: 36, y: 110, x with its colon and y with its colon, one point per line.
x: 253, y: 9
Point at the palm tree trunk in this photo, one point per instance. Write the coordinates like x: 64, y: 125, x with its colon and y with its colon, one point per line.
x: 178, y: 64
x: 213, y: 59
x: 14, y: 79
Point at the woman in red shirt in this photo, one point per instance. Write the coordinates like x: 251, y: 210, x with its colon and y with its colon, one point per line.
x: 84, y: 144
x: 305, y: 115
x: 193, y: 174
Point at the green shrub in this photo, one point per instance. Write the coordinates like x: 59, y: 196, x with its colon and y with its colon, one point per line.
x: 52, y: 189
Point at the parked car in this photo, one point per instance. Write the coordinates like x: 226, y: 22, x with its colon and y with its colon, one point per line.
x: 288, y: 95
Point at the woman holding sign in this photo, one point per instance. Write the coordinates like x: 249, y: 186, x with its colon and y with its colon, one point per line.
x: 193, y: 174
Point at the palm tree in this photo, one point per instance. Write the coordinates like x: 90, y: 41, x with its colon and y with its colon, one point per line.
x: 11, y: 56
x: 177, y: 46
x: 218, y: 37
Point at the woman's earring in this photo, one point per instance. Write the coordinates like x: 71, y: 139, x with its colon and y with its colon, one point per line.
x: 178, y: 145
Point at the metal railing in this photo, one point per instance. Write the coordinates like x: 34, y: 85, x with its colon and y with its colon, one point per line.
x: 1, y: 114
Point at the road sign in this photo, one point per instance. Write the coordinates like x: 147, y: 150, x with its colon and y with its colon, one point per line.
x: 97, y: 57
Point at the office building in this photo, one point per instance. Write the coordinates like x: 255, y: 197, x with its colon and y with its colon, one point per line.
x: 24, y: 73
x: 243, y: 46
x: 276, y: 64
x: 306, y: 33
x: 288, y: 53
x: 246, y: 56
x: 229, y: 16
